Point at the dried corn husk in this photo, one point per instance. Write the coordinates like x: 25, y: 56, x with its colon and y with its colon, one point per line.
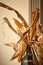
x: 20, y: 49
x: 35, y: 20
x: 19, y: 25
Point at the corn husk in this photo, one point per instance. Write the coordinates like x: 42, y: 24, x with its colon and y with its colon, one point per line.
x: 35, y: 20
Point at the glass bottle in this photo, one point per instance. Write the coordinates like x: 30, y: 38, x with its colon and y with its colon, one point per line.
x: 27, y: 60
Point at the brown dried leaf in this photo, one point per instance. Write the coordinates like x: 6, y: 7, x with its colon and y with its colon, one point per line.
x: 35, y: 20
x: 15, y: 55
x: 10, y: 26
x: 19, y: 25
x: 19, y: 58
x: 20, y: 49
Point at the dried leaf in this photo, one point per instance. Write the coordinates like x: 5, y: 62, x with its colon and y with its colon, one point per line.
x: 19, y: 58
x: 33, y: 25
x: 24, y: 34
x: 35, y: 20
x: 20, y: 49
x: 15, y: 55
x: 19, y: 25
x: 40, y: 38
x: 10, y: 26
x: 40, y: 28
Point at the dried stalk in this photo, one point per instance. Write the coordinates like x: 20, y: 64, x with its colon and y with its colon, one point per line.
x: 21, y: 43
x: 11, y: 44
x: 20, y: 27
x: 10, y: 26
x: 33, y: 24
x: 18, y: 14
x: 23, y: 36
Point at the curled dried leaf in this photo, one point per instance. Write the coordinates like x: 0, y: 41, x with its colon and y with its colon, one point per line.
x: 35, y: 20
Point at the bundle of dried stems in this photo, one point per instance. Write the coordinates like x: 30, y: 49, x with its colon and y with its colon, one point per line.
x: 26, y: 37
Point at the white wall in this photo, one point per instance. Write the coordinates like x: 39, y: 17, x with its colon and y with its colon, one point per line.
x: 6, y: 34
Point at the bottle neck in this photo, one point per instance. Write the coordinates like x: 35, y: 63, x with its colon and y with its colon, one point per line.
x: 28, y: 50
